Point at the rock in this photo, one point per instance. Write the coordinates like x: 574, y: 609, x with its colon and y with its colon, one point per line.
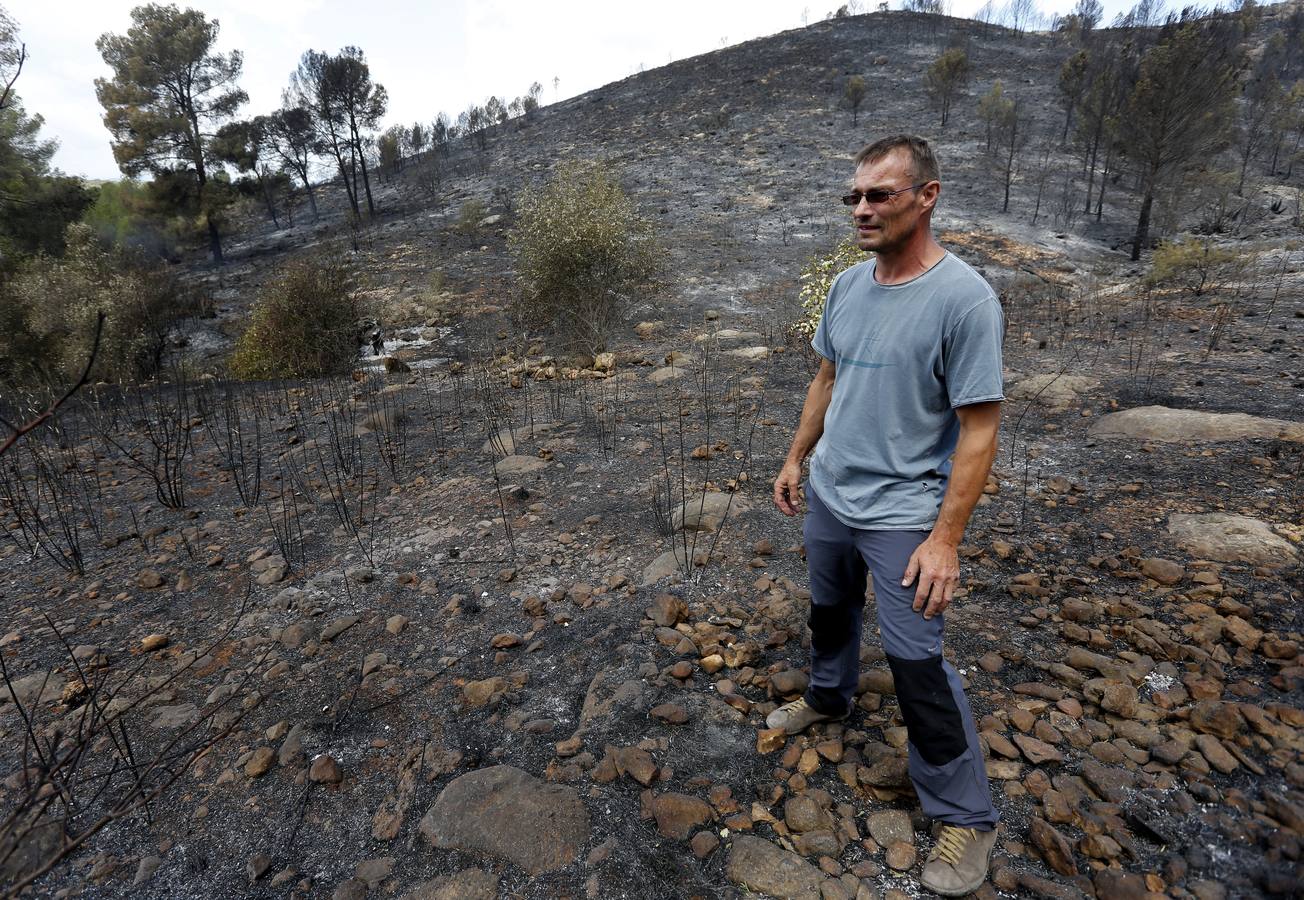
x: 703, y: 844
x: 646, y: 330
x: 350, y: 889
x: 706, y: 512
x: 1053, y: 846
x: 260, y: 763
x: 153, y: 642
x: 1120, y: 699
x: 337, y: 627
x: 802, y: 813
x: 39, y: 687
x: 521, y: 465
x: 890, y: 826
x: 1115, y: 884
x: 1052, y: 390
x: 505, y: 812
x: 765, y: 868
x: 469, y: 884
x: 677, y: 814
x: 292, y: 747
x: 789, y: 682
x: 177, y: 716
x: 1164, y: 571
x: 1213, y: 750
x: 666, y: 373
x: 728, y: 336
x: 1037, y: 752
x: 325, y: 770
x: 1231, y: 538
x: 1099, y: 846
x: 1160, y: 423
x: 770, y: 739
x: 1217, y: 718
x: 670, y: 713
x: 667, y: 610
x: 148, y: 579
x: 664, y: 566
x: 1242, y: 633
x: 635, y: 762
x: 146, y: 869
x: 373, y: 871
x: 900, y: 856
x: 1112, y: 783
x: 257, y: 866
x: 396, y: 623
x: 476, y: 694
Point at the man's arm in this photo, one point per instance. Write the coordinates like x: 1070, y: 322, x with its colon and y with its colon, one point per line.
x: 808, y: 434
x: 936, y: 561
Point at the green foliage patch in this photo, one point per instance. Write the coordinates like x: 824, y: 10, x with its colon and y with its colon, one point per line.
x: 304, y: 324
x: 816, y: 280
x: 582, y: 251
x: 51, y: 305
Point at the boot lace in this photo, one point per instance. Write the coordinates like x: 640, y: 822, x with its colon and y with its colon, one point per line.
x: 951, y: 843
x: 795, y: 706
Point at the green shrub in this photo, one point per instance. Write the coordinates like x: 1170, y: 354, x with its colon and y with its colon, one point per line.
x: 305, y: 323
x: 582, y: 251
x: 1194, y: 265
x: 52, y: 305
x: 816, y: 279
x: 470, y: 216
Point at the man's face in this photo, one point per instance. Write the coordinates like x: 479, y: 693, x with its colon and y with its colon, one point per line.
x: 884, y: 227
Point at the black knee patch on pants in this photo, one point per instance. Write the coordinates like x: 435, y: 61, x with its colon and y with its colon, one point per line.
x: 829, y: 627
x: 932, y: 718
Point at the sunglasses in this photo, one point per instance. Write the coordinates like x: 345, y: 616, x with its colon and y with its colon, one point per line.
x: 878, y: 195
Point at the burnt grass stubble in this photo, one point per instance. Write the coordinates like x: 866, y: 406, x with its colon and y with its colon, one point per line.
x: 427, y: 528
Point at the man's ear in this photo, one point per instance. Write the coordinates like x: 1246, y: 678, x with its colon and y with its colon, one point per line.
x: 929, y: 194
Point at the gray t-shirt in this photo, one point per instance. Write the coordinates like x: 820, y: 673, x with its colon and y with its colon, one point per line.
x: 906, y: 355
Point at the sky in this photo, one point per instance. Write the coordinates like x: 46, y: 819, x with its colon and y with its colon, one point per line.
x: 432, y: 56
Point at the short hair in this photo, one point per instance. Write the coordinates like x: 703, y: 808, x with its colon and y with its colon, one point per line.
x: 923, y: 160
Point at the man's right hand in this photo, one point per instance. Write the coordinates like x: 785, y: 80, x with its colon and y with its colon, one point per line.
x: 787, y: 488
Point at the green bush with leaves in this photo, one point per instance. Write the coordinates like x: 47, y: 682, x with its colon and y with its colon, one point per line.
x: 816, y: 279
x: 305, y: 323
x: 582, y: 252
x: 52, y: 304
x: 1194, y: 265
x: 469, y: 216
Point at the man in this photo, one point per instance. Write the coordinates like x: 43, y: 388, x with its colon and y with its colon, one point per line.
x: 903, y: 417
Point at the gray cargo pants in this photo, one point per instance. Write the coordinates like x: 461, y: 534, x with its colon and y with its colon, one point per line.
x: 946, y: 761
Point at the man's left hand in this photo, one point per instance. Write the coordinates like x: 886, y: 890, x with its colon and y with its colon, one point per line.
x: 937, y: 565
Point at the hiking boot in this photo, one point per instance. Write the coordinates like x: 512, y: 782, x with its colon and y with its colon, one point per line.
x: 957, y: 864
x: 797, y: 716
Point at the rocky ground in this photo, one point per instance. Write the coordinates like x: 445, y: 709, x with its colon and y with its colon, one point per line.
x: 516, y: 680
x: 507, y: 627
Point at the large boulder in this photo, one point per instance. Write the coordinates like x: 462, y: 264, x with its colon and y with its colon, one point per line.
x: 1231, y: 538
x: 1053, y: 389
x: 1160, y: 423
x: 706, y: 512
x: 505, y: 812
